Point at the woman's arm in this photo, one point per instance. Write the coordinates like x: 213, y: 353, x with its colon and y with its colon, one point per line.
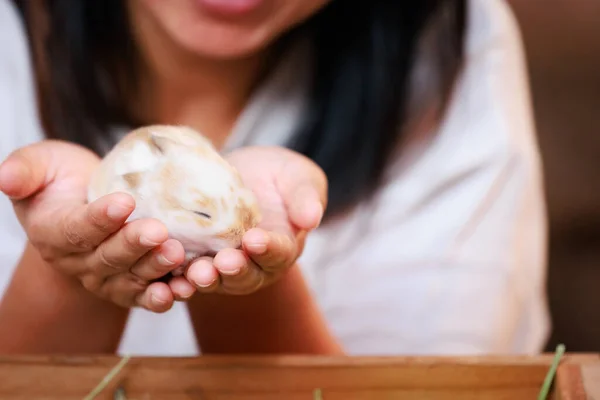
x: 85, y: 243
x: 40, y: 310
x: 44, y: 311
x: 276, y: 312
x: 281, y: 318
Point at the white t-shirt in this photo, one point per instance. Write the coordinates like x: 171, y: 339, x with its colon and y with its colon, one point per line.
x: 450, y: 255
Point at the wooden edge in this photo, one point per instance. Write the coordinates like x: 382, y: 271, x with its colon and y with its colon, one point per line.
x: 568, y: 384
x: 303, y: 360
x: 33, y: 376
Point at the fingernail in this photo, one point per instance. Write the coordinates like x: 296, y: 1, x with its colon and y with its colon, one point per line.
x: 117, y: 211
x: 186, y: 296
x: 201, y: 285
x: 257, y: 248
x: 231, y: 272
x: 163, y: 260
x: 144, y: 241
x: 157, y: 300
x: 259, y: 244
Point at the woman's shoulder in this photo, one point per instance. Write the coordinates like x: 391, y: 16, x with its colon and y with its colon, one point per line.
x: 19, y: 121
x: 458, y: 223
x: 489, y: 113
x: 490, y: 20
x: 483, y: 153
x: 9, y: 18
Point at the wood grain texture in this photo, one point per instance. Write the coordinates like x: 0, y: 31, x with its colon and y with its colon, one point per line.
x: 569, y: 383
x: 590, y: 375
x: 289, y: 377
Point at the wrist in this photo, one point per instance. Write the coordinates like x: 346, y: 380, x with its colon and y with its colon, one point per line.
x: 71, y: 294
x: 283, y: 316
x: 44, y: 310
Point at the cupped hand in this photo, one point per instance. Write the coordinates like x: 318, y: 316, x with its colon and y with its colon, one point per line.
x: 292, y: 194
x: 117, y: 261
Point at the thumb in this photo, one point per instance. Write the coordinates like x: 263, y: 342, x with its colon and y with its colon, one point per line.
x: 305, y: 207
x: 303, y: 187
x: 25, y: 172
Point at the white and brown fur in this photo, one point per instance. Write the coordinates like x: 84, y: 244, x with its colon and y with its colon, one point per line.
x: 177, y: 176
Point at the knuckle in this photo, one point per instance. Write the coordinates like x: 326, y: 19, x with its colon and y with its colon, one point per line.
x: 73, y: 236
x: 245, y: 283
x: 122, y: 291
x: 34, y: 230
x: 77, y: 240
x: 136, y: 283
x: 36, y: 242
x: 40, y: 241
x: 106, y: 261
x: 91, y: 283
x: 45, y: 250
x: 131, y: 239
x: 48, y: 254
x: 98, y: 221
x: 122, y: 301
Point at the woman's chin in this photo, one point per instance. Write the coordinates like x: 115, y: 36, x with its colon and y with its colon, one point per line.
x: 225, y: 43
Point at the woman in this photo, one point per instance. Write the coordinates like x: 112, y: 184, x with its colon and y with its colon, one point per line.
x: 434, y: 236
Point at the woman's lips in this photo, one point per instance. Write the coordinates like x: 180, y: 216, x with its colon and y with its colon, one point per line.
x: 230, y: 7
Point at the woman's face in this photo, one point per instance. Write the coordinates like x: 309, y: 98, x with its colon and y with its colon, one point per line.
x: 226, y: 28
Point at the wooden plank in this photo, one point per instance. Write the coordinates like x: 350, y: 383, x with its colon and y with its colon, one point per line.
x: 524, y: 394
x: 289, y: 377
x: 568, y: 383
x: 590, y: 375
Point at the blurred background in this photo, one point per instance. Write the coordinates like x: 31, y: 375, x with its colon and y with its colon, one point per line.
x: 562, y: 40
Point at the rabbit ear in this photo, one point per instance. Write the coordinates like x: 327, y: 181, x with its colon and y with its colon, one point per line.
x: 160, y: 144
x: 132, y: 179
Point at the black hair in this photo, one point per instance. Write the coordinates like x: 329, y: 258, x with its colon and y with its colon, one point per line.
x: 365, y: 51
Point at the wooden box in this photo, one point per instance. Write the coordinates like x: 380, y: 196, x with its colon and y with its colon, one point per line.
x: 300, y: 378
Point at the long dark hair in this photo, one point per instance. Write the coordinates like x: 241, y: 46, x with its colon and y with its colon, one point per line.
x: 365, y: 52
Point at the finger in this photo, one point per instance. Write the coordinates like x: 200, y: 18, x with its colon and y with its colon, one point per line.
x: 25, y: 171
x: 160, y: 261
x: 238, y: 274
x: 301, y: 241
x: 85, y: 227
x: 28, y: 170
x: 305, y: 207
x: 122, y: 250
x: 121, y: 289
x: 156, y: 298
x: 270, y: 250
x: 181, y: 288
x: 203, y: 275
x: 303, y: 188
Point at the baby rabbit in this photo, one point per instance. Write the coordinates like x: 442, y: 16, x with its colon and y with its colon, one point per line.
x: 178, y: 177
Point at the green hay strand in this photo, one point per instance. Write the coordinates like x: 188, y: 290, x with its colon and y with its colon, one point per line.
x: 560, y: 351
x: 106, y: 380
x: 317, y: 394
x: 120, y: 394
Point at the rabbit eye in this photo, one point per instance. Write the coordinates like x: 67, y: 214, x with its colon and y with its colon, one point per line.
x: 202, y: 214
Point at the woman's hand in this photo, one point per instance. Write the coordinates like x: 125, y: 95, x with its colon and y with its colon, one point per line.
x: 47, y: 183
x: 292, y: 196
